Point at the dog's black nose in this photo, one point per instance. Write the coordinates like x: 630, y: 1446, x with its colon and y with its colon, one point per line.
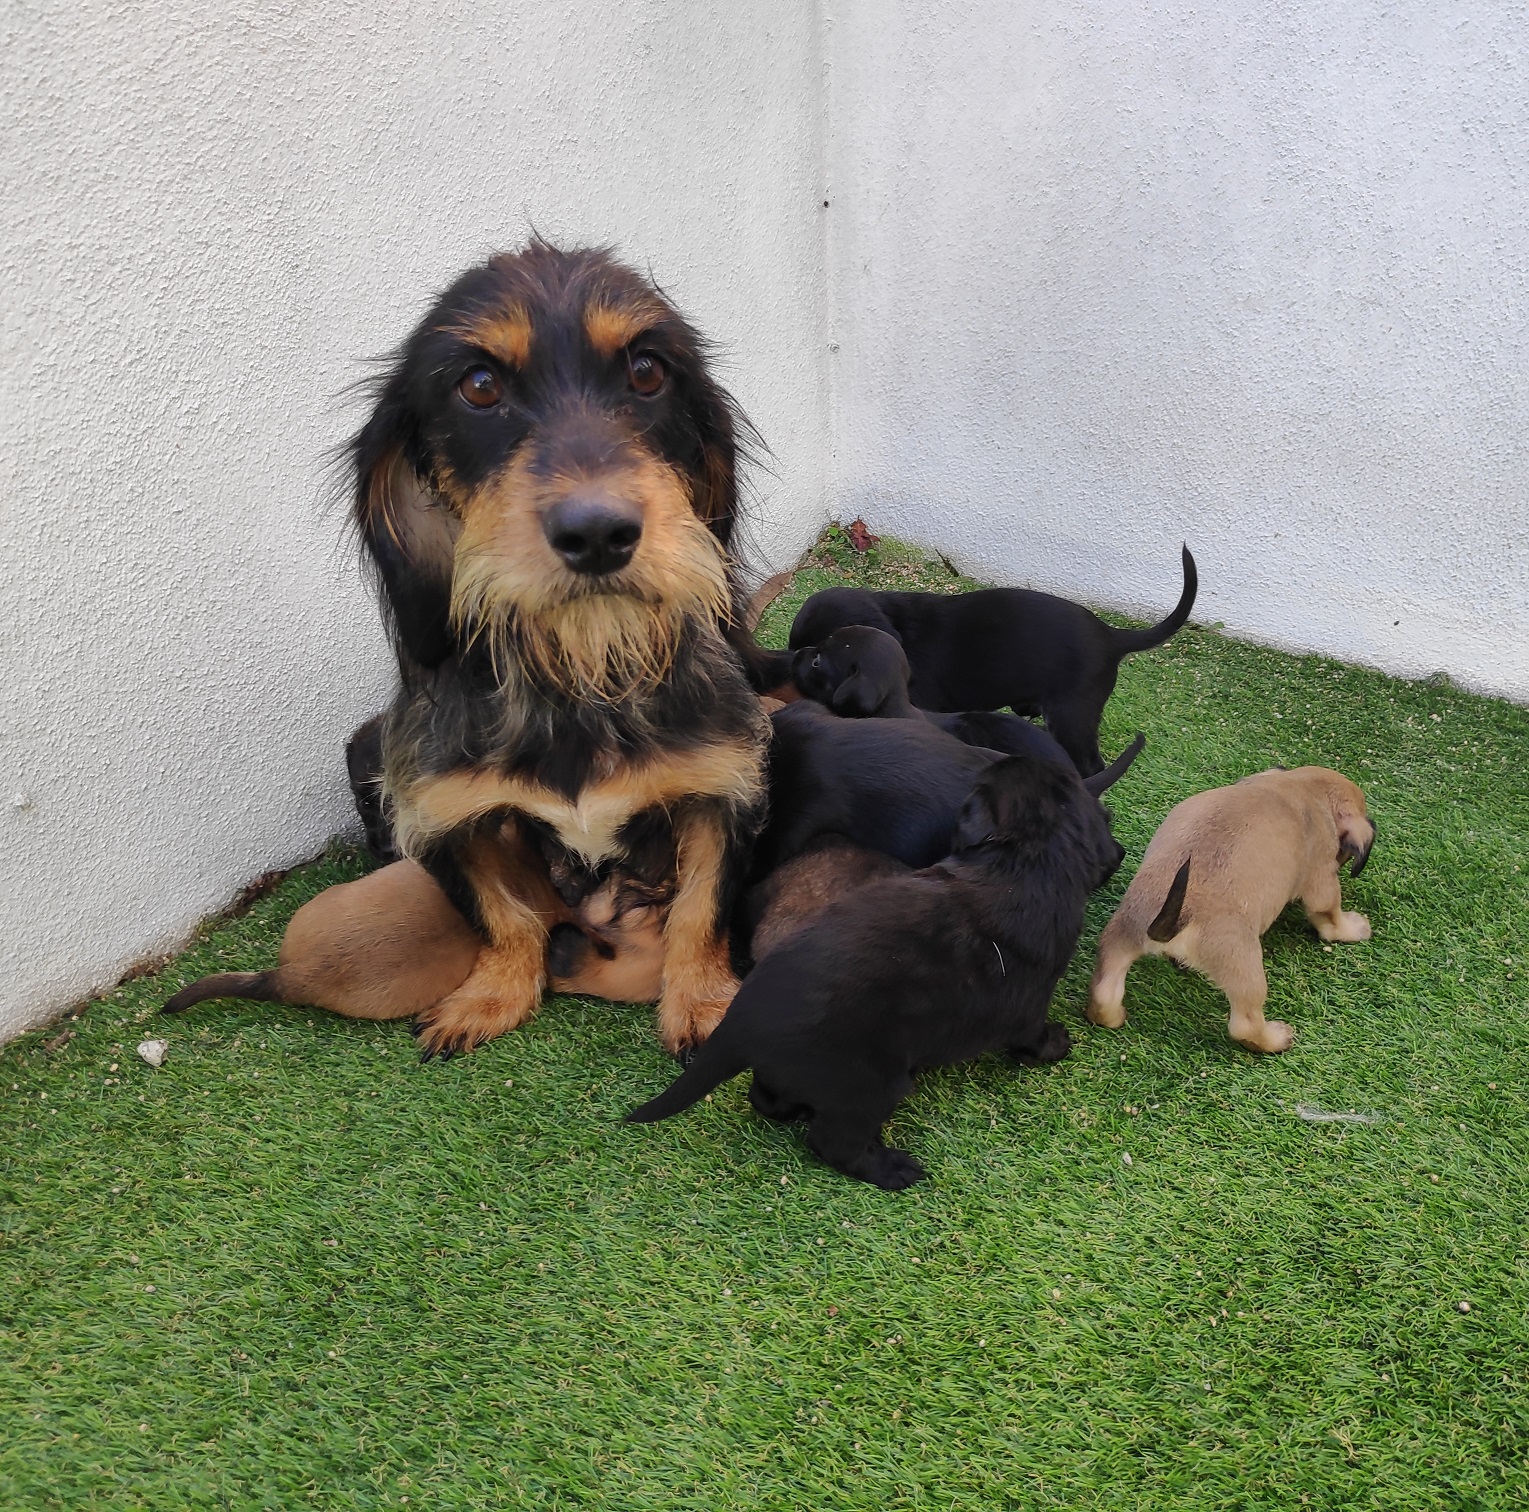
x: 593, y: 533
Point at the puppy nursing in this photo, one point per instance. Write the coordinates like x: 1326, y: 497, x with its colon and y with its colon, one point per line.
x: 391, y: 946
x: 922, y: 969
x: 1217, y: 874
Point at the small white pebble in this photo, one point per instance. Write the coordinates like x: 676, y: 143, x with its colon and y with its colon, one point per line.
x: 1125, y: 1160
x: 132, y: 1259
x: 785, y: 1181
x: 1464, y: 1306
x: 1056, y: 1293
x: 153, y: 1051
x: 330, y: 1353
x: 143, y: 1427
x: 483, y: 1206
x: 1433, y: 1178
x: 331, y: 1243
x: 112, y: 1067
x: 150, y: 1288
x: 727, y: 1291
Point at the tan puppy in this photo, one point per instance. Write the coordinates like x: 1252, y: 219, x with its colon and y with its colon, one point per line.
x: 1217, y: 874
x: 391, y: 945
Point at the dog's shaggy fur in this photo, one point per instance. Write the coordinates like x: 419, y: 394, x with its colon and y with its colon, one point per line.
x: 546, y: 488
x: 891, y: 785
x: 1218, y: 872
x: 862, y: 673
x: 918, y: 970
x: 1001, y: 647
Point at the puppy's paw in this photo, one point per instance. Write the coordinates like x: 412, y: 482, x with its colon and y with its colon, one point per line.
x: 1053, y: 1045
x: 1106, y: 1015
x: 773, y: 1105
x: 895, y: 1170
x: 1352, y: 927
x: 1270, y: 1037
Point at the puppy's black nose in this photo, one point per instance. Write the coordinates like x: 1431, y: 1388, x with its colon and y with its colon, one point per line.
x: 593, y: 533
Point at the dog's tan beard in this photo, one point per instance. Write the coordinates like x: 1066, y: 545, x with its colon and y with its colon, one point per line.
x: 606, y: 643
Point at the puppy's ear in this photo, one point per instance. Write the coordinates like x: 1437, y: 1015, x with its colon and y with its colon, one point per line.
x: 976, y: 824
x: 857, y: 697
x: 409, y: 536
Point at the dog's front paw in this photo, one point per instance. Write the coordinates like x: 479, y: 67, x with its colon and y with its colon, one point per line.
x: 1054, y: 1044
x: 1352, y: 927
x: 687, y: 1018
x: 895, y: 1170
x: 497, y: 997
x: 1271, y: 1037
x: 1106, y: 1015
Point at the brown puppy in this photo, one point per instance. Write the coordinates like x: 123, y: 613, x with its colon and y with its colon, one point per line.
x: 1217, y: 874
x: 391, y: 945
x: 793, y: 895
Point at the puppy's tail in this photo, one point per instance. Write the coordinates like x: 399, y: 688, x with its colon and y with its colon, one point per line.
x: 1169, y: 921
x: 1117, y: 769
x: 1129, y: 641
x: 716, y: 1061
x: 259, y: 985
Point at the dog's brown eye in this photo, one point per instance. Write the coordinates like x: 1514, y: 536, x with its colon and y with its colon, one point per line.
x: 647, y: 373
x: 481, y: 388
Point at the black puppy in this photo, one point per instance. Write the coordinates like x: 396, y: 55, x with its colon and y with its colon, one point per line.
x: 921, y: 970
x: 891, y: 785
x: 999, y: 647
x: 862, y: 673
x: 363, y: 764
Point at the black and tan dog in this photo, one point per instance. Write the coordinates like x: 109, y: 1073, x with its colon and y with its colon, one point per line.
x: 1219, y: 871
x: 546, y: 489
x: 1001, y: 647
x: 923, y: 969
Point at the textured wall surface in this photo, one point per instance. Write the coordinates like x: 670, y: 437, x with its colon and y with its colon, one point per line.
x: 1108, y: 276
x: 207, y: 222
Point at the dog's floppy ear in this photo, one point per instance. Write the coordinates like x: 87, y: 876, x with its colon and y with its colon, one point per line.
x: 976, y: 824
x: 410, y: 537
x: 1354, y: 845
x: 858, y: 697
x: 720, y: 425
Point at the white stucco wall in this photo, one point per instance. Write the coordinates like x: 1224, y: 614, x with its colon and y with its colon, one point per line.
x: 207, y: 222
x: 1109, y: 275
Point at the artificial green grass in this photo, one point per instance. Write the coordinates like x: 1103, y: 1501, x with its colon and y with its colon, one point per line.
x: 293, y: 1267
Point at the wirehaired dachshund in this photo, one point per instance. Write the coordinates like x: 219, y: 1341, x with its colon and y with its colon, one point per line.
x: 1001, y: 647
x: 862, y: 673
x: 546, y: 491
x: 1219, y: 871
x: 890, y: 785
x: 925, y: 969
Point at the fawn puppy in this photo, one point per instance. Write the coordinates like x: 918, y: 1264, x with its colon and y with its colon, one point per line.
x: 1218, y: 873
